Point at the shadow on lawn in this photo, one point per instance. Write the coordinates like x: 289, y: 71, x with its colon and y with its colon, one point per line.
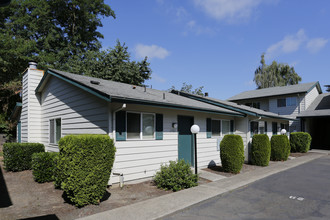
x: 5, y: 200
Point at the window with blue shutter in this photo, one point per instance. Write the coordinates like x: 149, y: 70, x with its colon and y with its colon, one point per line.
x: 121, y: 126
x: 208, y: 128
x: 232, y: 128
x: 159, y: 127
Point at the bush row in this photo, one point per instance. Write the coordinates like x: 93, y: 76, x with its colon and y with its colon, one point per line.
x: 262, y: 150
x: 18, y: 156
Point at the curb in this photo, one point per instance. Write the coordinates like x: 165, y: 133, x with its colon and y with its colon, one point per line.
x: 168, y: 204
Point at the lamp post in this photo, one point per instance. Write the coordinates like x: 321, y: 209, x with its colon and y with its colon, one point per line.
x: 283, y: 131
x: 194, y: 130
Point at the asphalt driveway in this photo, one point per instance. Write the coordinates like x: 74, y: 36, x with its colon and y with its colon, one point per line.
x: 302, y: 192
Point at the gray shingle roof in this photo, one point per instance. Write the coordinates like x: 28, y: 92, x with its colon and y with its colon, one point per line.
x: 320, y: 107
x: 276, y: 91
x: 241, y: 108
x: 123, y: 92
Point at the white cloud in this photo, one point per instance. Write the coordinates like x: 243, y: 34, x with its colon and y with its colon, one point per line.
x: 193, y: 27
x: 151, y: 51
x: 158, y: 78
x: 289, y: 44
x: 229, y: 10
x: 316, y: 44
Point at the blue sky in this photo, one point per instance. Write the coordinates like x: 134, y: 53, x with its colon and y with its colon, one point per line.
x: 218, y: 43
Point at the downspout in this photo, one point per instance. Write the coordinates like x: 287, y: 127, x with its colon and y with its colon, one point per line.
x: 121, y: 175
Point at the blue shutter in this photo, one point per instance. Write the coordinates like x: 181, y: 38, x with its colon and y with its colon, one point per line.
x: 208, y: 128
x: 266, y: 127
x: 159, y: 127
x: 121, y: 126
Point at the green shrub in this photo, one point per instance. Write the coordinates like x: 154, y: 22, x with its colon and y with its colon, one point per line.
x: 176, y: 176
x: 232, y: 153
x: 18, y: 156
x: 43, y: 166
x: 260, y: 150
x: 300, y: 142
x: 280, y: 147
x: 84, y: 167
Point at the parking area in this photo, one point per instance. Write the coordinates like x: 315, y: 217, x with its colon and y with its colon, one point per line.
x: 298, y: 193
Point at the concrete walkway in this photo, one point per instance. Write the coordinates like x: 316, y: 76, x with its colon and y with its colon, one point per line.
x: 164, y: 205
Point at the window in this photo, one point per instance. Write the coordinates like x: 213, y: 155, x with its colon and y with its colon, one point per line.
x: 133, y: 125
x: 54, y: 130
x: 225, y: 127
x: 253, y: 104
x: 291, y: 101
x: 281, y: 102
x: 140, y: 125
x: 216, y: 127
x: 221, y: 127
x: 254, y: 127
x: 274, y: 128
x: 262, y: 127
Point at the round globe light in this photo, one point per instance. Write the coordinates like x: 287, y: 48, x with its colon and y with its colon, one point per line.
x: 194, y: 129
x: 283, y: 131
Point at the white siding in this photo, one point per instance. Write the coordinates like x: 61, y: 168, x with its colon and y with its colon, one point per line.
x: 143, y: 158
x: 31, y: 109
x: 310, y: 97
x: 80, y: 112
x: 242, y: 129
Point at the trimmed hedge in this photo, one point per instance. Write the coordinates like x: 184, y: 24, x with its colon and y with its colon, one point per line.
x: 84, y: 167
x: 300, y: 142
x: 18, y: 156
x: 176, y: 176
x: 232, y: 153
x: 280, y: 148
x: 43, y: 166
x: 260, y: 150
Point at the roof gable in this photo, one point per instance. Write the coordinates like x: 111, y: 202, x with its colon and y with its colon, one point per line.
x: 277, y: 91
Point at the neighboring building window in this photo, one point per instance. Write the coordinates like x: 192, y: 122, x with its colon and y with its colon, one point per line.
x: 291, y: 101
x: 54, y: 130
x: 225, y: 127
x: 281, y: 102
x: 140, y: 125
x: 216, y: 127
x: 254, y: 105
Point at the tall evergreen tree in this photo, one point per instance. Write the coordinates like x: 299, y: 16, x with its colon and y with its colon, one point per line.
x: 111, y: 64
x: 276, y: 74
x: 47, y: 31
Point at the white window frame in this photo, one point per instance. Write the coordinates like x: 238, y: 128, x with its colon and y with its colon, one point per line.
x: 141, y: 126
x: 54, y: 129
x: 222, y: 127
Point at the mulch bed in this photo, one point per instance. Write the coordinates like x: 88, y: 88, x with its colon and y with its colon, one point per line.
x: 27, y: 199
x: 219, y: 170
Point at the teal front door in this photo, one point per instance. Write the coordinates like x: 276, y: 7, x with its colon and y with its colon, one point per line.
x: 185, y: 139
